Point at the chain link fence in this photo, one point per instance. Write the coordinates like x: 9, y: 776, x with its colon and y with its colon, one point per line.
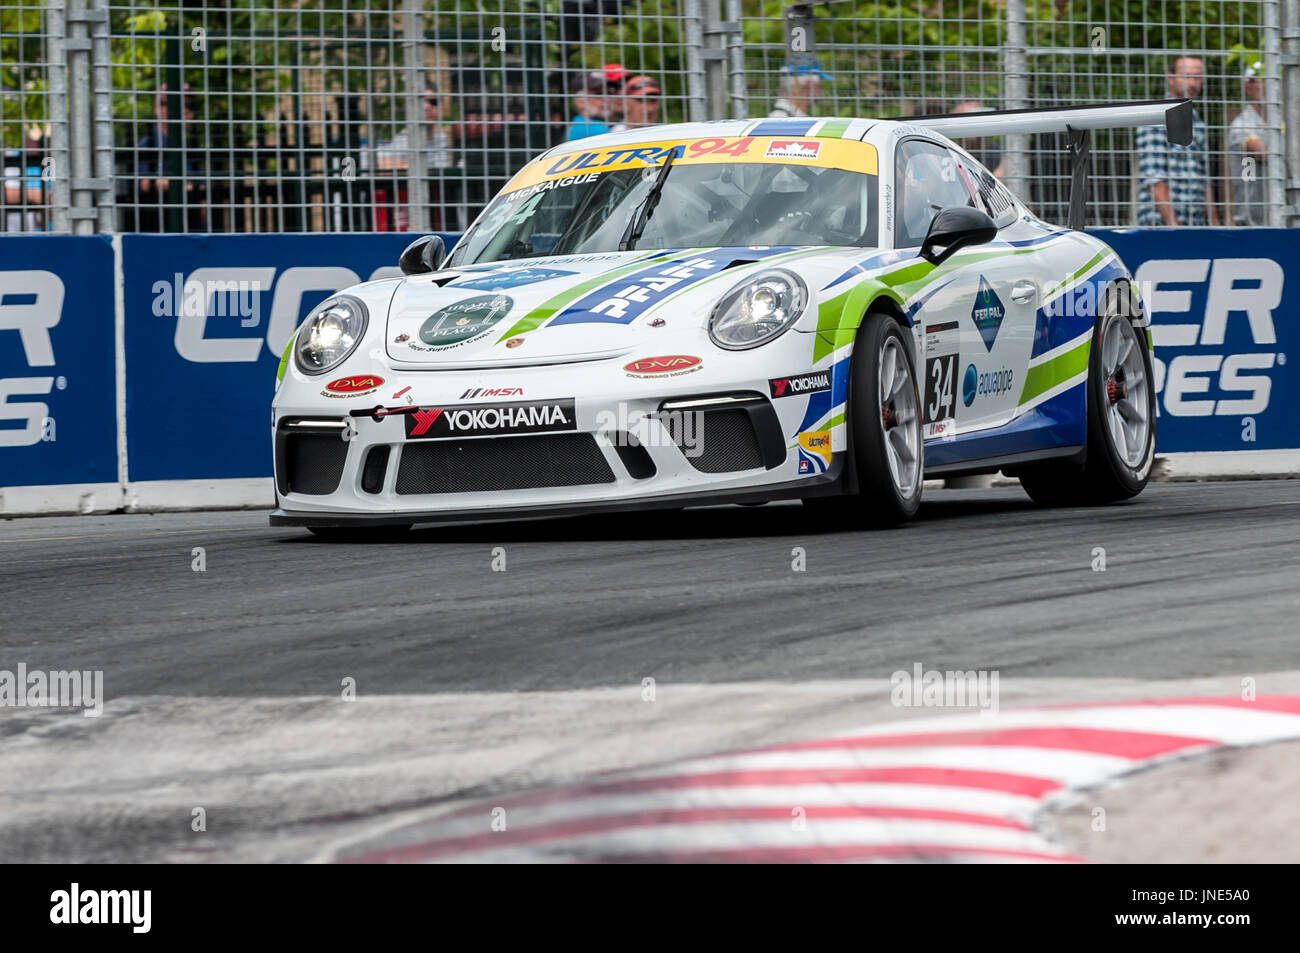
x: 320, y: 115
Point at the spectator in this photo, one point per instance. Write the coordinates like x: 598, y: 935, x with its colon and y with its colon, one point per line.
x: 25, y: 195
x: 1175, y: 180
x: 988, y: 152
x: 436, y: 137
x: 157, y: 155
x: 1248, y: 152
x: 640, y: 104
x: 800, y: 87
x: 595, y: 103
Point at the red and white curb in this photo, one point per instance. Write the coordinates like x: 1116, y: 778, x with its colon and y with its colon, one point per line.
x: 957, y: 788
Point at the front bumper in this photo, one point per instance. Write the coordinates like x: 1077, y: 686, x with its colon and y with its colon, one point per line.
x: 623, y: 453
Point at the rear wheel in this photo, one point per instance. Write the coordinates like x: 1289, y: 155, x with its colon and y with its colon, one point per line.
x: 1121, y: 411
x: 885, y: 427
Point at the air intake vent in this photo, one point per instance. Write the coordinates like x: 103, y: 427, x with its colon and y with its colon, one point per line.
x: 313, y: 461
x: 486, y: 464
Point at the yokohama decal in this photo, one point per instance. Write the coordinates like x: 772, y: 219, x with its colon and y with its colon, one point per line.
x: 492, y: 420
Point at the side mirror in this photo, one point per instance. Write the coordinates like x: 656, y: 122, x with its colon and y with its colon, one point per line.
x: 955, y: 228
x: 422, y: 256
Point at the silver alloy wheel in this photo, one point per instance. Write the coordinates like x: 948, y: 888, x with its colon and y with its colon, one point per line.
x: 900, y: 422
x: 1127, y: 396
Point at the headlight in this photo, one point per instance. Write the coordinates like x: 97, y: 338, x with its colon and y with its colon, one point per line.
x: 758, y: 310
x: 330, y: 334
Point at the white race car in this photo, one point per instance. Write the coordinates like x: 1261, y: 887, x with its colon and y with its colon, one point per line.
x: 740, y: 311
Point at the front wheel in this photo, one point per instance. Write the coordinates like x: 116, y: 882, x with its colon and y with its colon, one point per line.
x: 884, y: 424
x: 1121, y: 408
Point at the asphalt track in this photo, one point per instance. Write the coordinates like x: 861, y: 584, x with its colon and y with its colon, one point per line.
x: 1200, y: 581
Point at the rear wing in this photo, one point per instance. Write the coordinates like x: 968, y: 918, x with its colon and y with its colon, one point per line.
x: 1077, y: 122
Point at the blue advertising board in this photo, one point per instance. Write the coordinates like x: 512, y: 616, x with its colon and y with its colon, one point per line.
x: 58, y: 417
x: 207, y: 319
x: 1225, y: 313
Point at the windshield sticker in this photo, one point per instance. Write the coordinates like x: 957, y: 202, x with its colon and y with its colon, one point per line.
x: 540, y: 187
x: 847, y: 154
x: 793, y: 149
x: 510, y: 279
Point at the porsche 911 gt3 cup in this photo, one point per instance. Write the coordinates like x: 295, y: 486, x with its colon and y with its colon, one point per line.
x: 821, y: 309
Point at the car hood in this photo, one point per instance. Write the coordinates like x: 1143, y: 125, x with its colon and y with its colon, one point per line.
x: 565, y: 309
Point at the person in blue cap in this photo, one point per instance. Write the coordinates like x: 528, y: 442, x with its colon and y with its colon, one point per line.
x: 799, y: 89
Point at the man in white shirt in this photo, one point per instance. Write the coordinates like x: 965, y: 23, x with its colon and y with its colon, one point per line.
x: 1248, y: 136
x: 799, y: 89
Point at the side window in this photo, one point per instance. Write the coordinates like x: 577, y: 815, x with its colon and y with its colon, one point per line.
x: 993, y: 195
x: 927, y: 180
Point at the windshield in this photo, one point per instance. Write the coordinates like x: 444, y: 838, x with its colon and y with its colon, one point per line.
x: 702, y: 205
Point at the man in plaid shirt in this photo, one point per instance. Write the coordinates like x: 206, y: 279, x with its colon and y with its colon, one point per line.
x: 1176, y: 187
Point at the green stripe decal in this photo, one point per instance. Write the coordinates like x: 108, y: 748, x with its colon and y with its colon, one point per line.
x: 1043, y: 377
x: 284, y: 358
x: 834, y: 129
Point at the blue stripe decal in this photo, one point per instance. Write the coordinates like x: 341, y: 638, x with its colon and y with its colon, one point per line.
x: 1059, y: 422
x: 783, y: 127
x: 823, y: 402
x: 632, y: 296
x: 878, y: 260
x: 916, y: 305
x: 1073, y: 313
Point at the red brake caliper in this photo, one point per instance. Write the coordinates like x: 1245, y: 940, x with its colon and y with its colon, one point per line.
x: 889, y: 418
x: 1115, y: 390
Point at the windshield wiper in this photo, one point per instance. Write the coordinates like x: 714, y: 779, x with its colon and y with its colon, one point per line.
x: 642, y: 216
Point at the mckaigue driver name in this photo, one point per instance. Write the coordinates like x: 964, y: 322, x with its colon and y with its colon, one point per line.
x: 1204, y: 895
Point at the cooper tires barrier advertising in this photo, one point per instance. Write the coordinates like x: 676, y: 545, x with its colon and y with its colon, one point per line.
x: 206, y: 319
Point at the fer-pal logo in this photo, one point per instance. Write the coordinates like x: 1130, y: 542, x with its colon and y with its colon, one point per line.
x: 793, y: 149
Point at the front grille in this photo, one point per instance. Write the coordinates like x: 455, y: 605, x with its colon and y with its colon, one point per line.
x: 727, y: 443
x: 314, y: 461
x: 501, y: 463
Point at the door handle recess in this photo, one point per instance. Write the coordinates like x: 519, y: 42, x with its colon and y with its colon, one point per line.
x: 1022, y: 292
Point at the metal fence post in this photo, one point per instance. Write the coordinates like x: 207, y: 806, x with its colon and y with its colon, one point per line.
x: 81, y: 215
x: 101, y: 88
x: 693, y: 43
x: 1274, y: 164
x: 1016, y: 68
x: 61, y: 167
x: 715, y: 56
x: 736, y: 61
x: 1290, y: 86
x: 417, y: 197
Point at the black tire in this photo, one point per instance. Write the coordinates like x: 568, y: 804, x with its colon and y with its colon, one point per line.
x: 1105, y: 476
x: 881, y: 501
x: 360, y: 534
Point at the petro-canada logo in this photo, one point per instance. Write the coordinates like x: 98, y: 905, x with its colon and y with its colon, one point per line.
x: 987, y: 313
